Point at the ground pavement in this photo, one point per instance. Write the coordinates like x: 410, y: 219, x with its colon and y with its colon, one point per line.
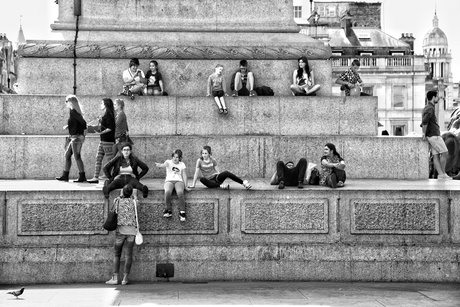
x: 237, y: 293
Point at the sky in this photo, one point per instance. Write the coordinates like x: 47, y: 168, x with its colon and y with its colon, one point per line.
x: 399, y: 16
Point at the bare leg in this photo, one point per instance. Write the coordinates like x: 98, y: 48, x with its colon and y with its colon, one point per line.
x: 250, y: 83
x: 437, y: 164
x: 216, y: 99
x: 442, y: 161
x: 222, y: 101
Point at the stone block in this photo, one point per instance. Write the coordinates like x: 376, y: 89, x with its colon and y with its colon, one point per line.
x: 246, y: 156
x: 58, y: 217
x: 103, y: 77
x: 394, y: 216
x: 179, y: 15
x: 165, y: 116
x: 264, y: 216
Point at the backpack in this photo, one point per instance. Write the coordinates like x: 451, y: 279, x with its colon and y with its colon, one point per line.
x: 264, y: 91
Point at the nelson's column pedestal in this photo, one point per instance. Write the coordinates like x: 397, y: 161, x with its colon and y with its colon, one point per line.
x: 389, y: 222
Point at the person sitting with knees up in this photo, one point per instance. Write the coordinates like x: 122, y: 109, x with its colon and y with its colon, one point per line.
x: 176, y: 179
x: 350, y: 81
x: 154, y: 80
x: 243, y: 81
x: 123, y: 170
x: 303, y: 80
x: 332, y: 173
x: 211, y: 177
x: 125, y: 233
x: 289, y: 175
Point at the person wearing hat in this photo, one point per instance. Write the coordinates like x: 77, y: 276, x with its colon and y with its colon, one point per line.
x: 289, y: 175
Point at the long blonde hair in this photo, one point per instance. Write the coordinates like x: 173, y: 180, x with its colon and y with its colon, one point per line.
x: 75, y: 104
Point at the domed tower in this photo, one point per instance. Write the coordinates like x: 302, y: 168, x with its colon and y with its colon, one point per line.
x: 438, y: 60
x: 436, y: 51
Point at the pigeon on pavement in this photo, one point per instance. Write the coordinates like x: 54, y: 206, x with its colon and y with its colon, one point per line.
x: 17, y: 292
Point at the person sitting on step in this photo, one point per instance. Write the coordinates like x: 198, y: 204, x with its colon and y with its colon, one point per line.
x: 243, y: 81
x: 289, y: 175
x: 332, y: 172
x: 303, y: 80
x: 154, y: 81
x: 176, y: 179
x: 123, y: 170
x: 133, y: 79
x: 216, y: 86
x: 211, y: 177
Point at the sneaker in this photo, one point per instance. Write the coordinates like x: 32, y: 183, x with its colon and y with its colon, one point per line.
x: 300, y: 185
x: 340, y: 184
x: 225, y: 186
x: 281, y: 185
x: 444, y: 177
x: 247, y: 185
x: 167, y: 213
x: 234, y: 93
x: 93, y: 180
x: 182, y: 216
x: 125, y: 280
x: 225, y: 111
x: 221, y: 110
x: 112, y: 281
x: 252, y: 93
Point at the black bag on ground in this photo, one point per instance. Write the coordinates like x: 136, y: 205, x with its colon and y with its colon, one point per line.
x: 264, y: 91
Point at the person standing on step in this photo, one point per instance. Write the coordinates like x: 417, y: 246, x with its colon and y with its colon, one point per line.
x: 289, y: 175
x: 243, y: 81
x: 332, y: 172
x: 154, y: 80
x: 125, y: 234
x: 211, y: 177
x: 303, y: 80
x: 216, y: 86
x: 350, y: 81
x: 133, y: 79
x: 121, y: 126
x: 176, y: 179
x: 123, y: 170
x: 431, y: 134
x: 76, y: 125
x: 107, y: 136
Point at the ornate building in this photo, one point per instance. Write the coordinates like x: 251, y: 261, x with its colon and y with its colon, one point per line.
x: 438, y: 61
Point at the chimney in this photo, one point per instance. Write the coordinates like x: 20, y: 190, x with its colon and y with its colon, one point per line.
x: 408, y: 39
x: 345, y: 23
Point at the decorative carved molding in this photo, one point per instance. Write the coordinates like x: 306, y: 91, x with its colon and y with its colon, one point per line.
x: 61, y: 217
x: 395, y: 216
x: 123, y: 51
x: 297, y: 215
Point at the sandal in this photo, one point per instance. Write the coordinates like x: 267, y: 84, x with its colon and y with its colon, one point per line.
x: 247, y: 185
x: 221, y: 110
x: 225, y: 111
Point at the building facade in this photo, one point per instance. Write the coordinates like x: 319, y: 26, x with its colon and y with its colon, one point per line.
x: 390, y: 68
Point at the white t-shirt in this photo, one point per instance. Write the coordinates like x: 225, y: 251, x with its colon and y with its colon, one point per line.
x: 128, y: 75
x: 174, y: 171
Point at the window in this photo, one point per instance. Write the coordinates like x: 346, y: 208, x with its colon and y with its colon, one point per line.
x: 321, y: 10
x: 399, y: 96
x: 368, y: 90
x: 399, y: 130
x: 331, y: 12
x: 297, y: 12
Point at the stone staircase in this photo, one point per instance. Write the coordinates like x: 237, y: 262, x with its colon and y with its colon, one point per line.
x: 389, y: 223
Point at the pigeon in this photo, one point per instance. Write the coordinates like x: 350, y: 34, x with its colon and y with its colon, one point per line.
x: 17, y: 292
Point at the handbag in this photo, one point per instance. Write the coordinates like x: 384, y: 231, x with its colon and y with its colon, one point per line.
x: 112, y: 218
x: 139, y: 239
